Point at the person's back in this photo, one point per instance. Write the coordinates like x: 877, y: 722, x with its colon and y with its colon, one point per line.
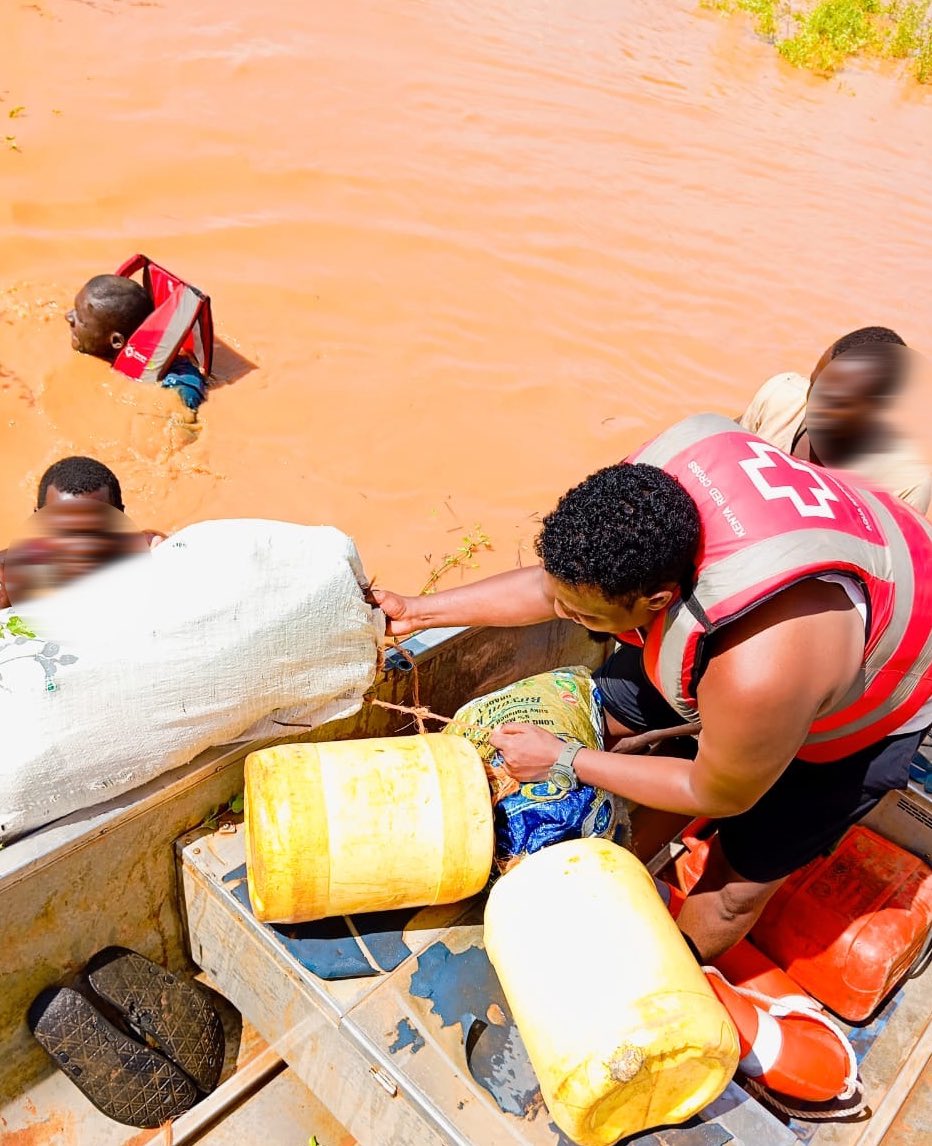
x: 839, y: 418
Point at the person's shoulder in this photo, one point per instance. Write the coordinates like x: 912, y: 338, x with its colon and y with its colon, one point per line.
x: 782, y: 388
x: 777, y: 409
x: 902, y: 471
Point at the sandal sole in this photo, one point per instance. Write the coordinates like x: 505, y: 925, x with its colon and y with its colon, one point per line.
x: 124, y: 1079
x: 175, y: 1015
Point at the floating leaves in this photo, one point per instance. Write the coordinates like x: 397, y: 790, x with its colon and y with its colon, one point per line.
x: 459, y: 558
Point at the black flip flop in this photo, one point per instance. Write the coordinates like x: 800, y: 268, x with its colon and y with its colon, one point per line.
x: 176, y: 1016
x: 127, y: 1081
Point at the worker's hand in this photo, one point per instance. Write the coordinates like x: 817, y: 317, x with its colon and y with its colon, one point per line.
x: 400, y: 612
x: 528, y: 752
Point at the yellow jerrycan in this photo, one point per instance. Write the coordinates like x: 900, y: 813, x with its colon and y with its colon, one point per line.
x: 365, y: 825
x: 618, y: 1020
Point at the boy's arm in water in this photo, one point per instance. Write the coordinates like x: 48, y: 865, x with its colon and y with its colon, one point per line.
x: 518, y: 597
x: 772, y: 674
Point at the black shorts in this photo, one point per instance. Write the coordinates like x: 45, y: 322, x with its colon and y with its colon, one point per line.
x: 809, y: 808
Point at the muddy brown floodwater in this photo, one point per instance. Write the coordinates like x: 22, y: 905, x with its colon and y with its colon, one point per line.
x: 461, y: 254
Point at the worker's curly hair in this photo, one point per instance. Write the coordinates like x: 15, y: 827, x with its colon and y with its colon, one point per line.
x: 628, y: 530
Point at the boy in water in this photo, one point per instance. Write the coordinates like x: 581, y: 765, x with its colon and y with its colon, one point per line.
x: 107, y: 310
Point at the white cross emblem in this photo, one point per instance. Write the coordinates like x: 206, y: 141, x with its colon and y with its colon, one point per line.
x: 770, y: 458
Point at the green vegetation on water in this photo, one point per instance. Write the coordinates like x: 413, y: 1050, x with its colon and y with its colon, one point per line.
x: 822, y: 36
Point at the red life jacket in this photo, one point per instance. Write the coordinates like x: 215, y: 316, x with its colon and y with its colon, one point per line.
x: 770, y: 521
x: 181, y: 323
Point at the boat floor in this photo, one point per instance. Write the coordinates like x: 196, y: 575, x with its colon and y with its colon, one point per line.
x: 413, y: 1042
x: 398, y: 1022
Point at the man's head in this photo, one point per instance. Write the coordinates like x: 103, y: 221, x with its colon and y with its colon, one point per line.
x: 107, y: 310
x: 79, y: 477
x: 853, y: 380
x: 67, y: 540
x: 619, y: 546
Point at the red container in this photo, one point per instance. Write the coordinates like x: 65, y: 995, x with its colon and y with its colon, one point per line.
x: 848, y: 926
x: 689, y: 865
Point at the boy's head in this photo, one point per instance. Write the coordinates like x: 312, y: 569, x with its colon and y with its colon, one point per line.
x: 82, y: 478
x: 107, y: 310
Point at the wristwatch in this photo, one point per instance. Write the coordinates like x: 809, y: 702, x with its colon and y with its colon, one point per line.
x: 562, y: 773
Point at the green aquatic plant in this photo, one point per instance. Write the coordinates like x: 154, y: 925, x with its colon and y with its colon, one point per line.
x: 461, y: 558
x: 15, y: 626
x: 822, y: 37
x: 767, y: 15
x: 909, y: 20
x: 830, y: 33
x: 922, y: 65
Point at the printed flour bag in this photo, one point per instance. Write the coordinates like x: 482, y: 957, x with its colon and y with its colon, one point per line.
x: 529, y: 817
x: 220, y: 632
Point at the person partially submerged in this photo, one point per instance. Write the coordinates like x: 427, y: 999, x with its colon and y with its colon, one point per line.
x: 66, y: 541
x: 107, y: 311
x: 838, y: 417
x: 785, y: 609
x: 78, y: 479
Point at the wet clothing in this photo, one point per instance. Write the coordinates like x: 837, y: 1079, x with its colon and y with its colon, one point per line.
x: 803, y: 815
x: 185, y: 377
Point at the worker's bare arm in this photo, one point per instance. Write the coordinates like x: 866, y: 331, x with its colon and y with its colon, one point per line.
x: 770, y: 676
x: 518, y: 597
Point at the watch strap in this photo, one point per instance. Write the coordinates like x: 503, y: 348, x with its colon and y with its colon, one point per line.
x: 563, y: 771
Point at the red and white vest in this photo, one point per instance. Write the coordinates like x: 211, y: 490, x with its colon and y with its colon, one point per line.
x: 770, y: 521
x: 180, y: 323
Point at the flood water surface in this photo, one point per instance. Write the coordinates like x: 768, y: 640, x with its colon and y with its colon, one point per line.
x: 460, y: 254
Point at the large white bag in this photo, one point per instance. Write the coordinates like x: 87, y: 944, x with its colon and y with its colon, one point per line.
x: 137, y: 668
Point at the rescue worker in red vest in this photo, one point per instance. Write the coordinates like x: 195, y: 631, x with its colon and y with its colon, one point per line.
x: 107, y: 311
x: 787, y: 611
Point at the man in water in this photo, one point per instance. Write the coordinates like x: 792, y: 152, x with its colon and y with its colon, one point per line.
x: 77, y: 479
x: 749, y: 588
x: 107, y: 311
x: 835, y: 418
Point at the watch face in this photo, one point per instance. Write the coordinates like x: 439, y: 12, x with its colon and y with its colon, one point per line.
x: 563, y: 776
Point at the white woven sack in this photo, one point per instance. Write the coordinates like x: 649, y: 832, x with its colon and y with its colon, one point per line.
x: 137, y: 668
